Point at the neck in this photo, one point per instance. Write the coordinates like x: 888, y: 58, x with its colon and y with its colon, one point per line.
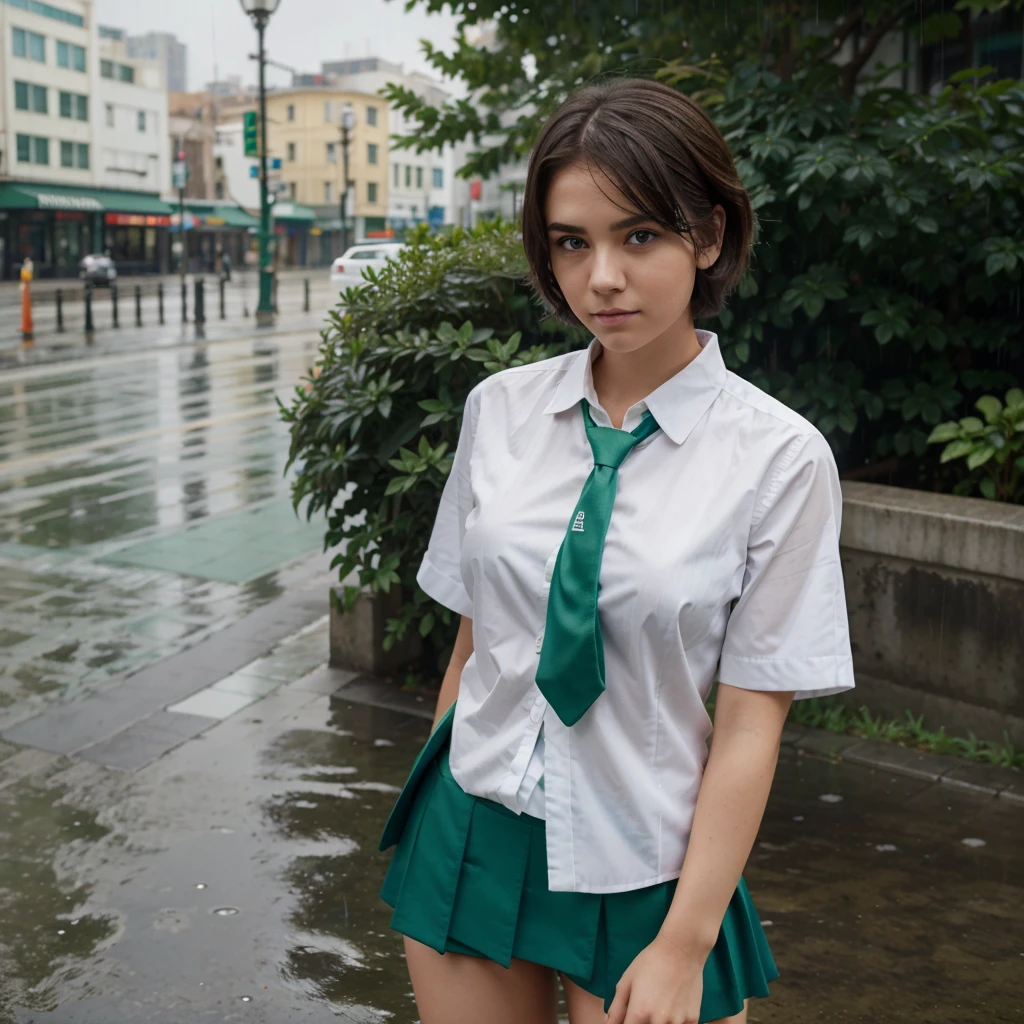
x: 621, y: 379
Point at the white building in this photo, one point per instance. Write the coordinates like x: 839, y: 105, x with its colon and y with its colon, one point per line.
x: 131, y: 119
x: 421, y: 186
x: 235, y: 178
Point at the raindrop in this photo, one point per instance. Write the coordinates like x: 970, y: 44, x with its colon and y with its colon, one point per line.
x: 798, y: 817
x: 246, y: 999
x: 60, y: 931
x: 225, y: 911
x: 383, y: 743
x: 885, y: 848
x: 830, y: 798
x: 974, y: 843
x: 77, y: 823
x: 200, y: 885
x: 766, y: 924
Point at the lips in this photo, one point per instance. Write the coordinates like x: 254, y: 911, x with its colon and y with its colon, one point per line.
x: 612, y: 317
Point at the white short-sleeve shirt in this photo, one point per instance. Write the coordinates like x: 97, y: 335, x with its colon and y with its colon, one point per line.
x: 722, y: 554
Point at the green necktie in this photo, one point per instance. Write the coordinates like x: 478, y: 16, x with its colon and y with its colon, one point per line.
x: 571, y: 670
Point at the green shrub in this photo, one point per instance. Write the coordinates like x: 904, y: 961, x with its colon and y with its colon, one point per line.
x: 374, y: 428
x: 992, y: 450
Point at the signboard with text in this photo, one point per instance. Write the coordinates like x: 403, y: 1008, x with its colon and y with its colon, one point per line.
x: 250, y: 135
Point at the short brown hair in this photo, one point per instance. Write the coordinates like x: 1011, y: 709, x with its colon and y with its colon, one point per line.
x: 668, y: 159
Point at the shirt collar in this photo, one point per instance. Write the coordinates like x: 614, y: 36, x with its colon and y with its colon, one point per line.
x: 677, y: 405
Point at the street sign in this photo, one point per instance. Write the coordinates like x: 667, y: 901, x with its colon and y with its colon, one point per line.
x: 249, y: 121
x: 254, y: 171
x: 179, y: 174
x: 275, y: 163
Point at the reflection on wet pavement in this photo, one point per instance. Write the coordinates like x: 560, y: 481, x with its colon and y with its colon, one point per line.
x: 121, y: 455
x: 264, y: 893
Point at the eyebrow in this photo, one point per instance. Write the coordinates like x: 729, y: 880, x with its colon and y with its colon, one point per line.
x: 639, y: 218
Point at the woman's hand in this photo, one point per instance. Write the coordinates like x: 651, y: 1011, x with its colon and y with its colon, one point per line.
x: 663, y: 985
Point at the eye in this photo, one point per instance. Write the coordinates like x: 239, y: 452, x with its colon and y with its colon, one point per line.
x: 642, y: 241
x: 570, y: 248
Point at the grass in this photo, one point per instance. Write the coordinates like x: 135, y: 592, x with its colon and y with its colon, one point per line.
x: 828, y: 713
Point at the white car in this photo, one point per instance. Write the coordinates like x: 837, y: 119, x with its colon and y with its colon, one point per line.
x: 347, y: 270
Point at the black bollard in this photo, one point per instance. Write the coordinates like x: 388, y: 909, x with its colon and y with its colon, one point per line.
x: 113, y: 302
x: 221, y: 284
x: 184, y: 302
x: 199, y: 314
x: 160, y: 300
x: 89, y: 328
x: 138, y: 305
x: 305, y: 304
x: 60, y: 311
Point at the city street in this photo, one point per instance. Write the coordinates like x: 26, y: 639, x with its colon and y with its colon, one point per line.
x: 142, y: 501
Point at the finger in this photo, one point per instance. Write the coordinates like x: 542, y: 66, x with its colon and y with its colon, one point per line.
x: 617, y: 1011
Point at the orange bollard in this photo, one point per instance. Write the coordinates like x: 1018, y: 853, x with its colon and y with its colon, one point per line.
x: 27, y: 337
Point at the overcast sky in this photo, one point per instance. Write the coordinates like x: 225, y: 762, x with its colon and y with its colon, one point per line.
x: 302, y: 33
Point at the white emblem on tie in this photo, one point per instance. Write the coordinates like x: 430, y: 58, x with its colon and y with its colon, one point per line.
x: 577, y: 527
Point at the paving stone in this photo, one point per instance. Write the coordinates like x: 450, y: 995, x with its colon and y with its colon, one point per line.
x: 899, y: 759
x: 326, y: 680
x: 183, y: 725
x: 828, y: 744
x: 133, y: 748
x: 792, y: 733
x: 213, y: 703
x: 247, y: 683
x: 367, y: 689
x: 982, y: 777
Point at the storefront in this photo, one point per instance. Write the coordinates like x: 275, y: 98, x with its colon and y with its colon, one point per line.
x: 56, y: 225
x: 215, y: 228
x: 292, y: 225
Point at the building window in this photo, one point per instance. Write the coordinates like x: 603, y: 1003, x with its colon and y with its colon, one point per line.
x: 106, y: 69
x: 67, y: 154
x: 419, y: 177
x: 45, y: 10
x: 41, y: 151
x: 291, y: 111
x: 73, y: 105
x: 371, y: 116
x: 371, y: 152
x: 125, y: 73
x: 327, y: 192
x: 70, y: 56
x: 332, y: 156
x: 110, y: 115
x: 291, y: 152
x: 142, y: 120
x: 81, y: 108
x: 29, y: 44
x: 408, y: 176
x: 293, y: 190
x: 395, y: 176
x: 438, y: 177
x: 371, y: 191
x: 24, y: 149
x: 82, y: 150
x: 21, y: 94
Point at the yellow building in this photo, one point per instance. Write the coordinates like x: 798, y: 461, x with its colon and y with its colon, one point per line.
x: 304, y: 133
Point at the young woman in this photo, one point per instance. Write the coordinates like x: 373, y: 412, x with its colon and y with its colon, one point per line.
x: 620, y: 524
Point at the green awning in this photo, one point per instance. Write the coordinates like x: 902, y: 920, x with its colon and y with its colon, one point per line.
x: 25, y: 196
x: 293, y: 211
x: 226, y: 216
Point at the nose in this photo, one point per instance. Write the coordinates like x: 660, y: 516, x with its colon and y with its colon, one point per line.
x: 606, y: 272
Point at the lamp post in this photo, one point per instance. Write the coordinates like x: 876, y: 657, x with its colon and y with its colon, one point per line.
x: 260, y: 12
x: 348, y: 122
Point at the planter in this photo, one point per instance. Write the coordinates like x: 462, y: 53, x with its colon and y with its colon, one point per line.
x: 935, y: 595
x: 356, y: 637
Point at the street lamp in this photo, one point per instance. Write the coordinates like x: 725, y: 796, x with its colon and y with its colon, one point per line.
x: 260, y: 12
x: 348, y: 122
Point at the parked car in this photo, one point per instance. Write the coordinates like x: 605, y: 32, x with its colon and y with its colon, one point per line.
x: 347, y: 269
x: 97, y: 268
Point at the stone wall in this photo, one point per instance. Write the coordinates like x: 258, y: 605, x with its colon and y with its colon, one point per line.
x: 935, y: 594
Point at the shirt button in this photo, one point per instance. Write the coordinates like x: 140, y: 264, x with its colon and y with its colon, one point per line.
x: 540, y: 642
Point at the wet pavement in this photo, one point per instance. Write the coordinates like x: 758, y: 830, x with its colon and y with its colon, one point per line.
x: 236, y: 879
x: 143, y: 505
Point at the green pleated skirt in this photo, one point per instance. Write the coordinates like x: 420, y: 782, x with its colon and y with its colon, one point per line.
x: 470, y: 876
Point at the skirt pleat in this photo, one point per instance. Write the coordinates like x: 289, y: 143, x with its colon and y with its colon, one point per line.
x: 470, y: 876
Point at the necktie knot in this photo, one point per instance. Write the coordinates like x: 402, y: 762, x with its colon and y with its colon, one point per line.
x: 610, y: 445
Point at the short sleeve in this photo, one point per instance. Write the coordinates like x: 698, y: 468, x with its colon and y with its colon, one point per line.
x: 439, y: 574
x: 788, y: 629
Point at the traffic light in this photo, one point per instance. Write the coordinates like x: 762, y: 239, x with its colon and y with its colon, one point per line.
x: 249, y: 134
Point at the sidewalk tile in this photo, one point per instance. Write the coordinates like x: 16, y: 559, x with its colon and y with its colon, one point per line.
x: 899, y: 759
x: 246, y: 683
x: 981, y: 777
x: 133, y: 748
x: 828, y: 744
x: 212, y: 703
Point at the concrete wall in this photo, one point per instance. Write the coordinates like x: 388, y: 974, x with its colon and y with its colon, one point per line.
x: 935, y: 593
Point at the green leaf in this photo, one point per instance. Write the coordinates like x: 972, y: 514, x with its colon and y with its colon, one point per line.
x: 980, y: 456
x: 944, y: 432
x: 956, y: 450
x: 987, y: 486
x: 990, y: 407
x: 1014, y: 398
x: 426, y: 624
x: 972, y: 424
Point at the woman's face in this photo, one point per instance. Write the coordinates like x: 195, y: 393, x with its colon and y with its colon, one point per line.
x: 627, y: 278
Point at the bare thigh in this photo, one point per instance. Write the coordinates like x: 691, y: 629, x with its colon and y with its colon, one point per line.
x: 457, y: 989
x: 585, y: 1008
